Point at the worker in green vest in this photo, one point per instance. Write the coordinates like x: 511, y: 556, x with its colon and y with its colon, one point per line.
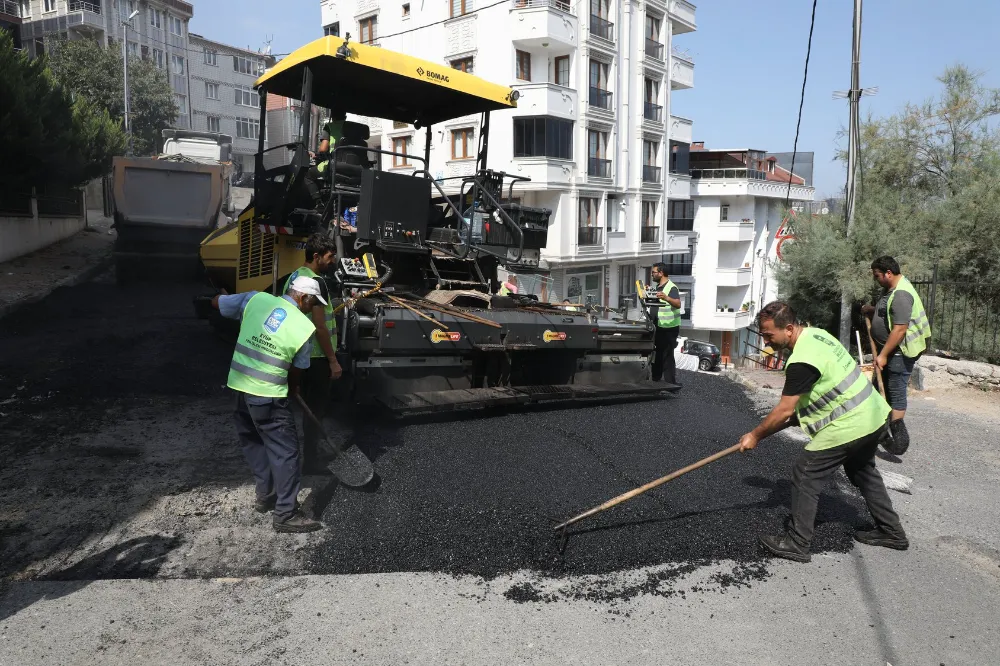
x: 271, y: 352
x: 901, y: 330
x: 668, y: 324
x: 320, y: 255
x: 835, y: 404
x: 334, y: 129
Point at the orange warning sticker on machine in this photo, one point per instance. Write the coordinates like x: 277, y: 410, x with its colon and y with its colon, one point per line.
x: 437, y: 335
x: 549, y: 336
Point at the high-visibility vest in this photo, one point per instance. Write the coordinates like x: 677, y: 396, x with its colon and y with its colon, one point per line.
x: 918, y: 331
x: 667, y: 316
x: 271, y: 333
x: 842, y: 405
x: 331, y: 320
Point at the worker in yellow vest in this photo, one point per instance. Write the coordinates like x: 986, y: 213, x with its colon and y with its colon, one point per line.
x: 835, y: 404
x: 271, y: 352
x: 901, y: 330
x: 320, y: 255
x: 668, y: 324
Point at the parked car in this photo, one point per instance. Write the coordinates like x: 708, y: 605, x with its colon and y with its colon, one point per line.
x: 707, y: 353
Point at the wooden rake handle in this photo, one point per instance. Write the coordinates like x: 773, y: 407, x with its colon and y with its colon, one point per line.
x: 649, y: 486
x: 875, y: 370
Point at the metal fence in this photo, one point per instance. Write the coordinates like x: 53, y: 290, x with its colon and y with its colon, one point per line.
x: 754, y: 352
x: 964, y: 316
x: 52, y: 201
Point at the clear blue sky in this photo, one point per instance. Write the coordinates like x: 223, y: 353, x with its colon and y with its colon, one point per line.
x: 748, y: 61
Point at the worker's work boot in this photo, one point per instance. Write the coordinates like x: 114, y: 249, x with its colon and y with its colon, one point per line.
x: 784, y: 546
x: 267, y: 504
x: 296, y: 523
x: 878, y: 537
x: 900, y: 441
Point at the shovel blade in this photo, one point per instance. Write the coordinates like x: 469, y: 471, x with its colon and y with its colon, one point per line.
x: 352, y: 467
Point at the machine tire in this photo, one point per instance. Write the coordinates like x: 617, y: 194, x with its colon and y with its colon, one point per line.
x: 704, y: 364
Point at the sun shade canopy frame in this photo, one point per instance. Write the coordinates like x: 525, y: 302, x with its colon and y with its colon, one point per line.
x: 378, y: 83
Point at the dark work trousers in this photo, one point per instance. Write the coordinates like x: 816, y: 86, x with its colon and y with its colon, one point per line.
x: 312, y: 184
x: 316, y: 393
x: 813, y: 469
x: 266, y: 429
x: 664, y: 365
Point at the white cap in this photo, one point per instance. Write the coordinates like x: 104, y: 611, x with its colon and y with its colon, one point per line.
x: 307, y: 285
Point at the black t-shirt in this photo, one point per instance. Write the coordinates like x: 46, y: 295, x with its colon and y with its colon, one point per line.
x: 799, y: 378
x: 902, y: 308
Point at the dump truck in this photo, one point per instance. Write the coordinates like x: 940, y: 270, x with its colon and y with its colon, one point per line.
x: 164, y: 205
x: 422, y: 328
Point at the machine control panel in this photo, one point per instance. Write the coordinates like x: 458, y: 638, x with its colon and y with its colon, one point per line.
x: 352, y: 267
x: 399, y: 232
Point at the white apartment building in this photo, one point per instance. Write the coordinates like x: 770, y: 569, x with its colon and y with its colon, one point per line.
x: 159, y: 32
x: 592, y: 130
x: 732, y: 223
x: 222, y: 94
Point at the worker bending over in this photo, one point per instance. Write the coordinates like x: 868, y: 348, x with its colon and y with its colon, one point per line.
x: 271, y: 352
x: 323, y: 366
x: 668, y: 323
x: 901, y: 329
x: 827, y: 395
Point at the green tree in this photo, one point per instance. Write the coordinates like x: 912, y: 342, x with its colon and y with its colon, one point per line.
x: 45, y: 136
x: 96, y: 74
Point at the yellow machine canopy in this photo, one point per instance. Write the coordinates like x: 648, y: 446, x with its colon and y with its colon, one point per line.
x: 371, y: 81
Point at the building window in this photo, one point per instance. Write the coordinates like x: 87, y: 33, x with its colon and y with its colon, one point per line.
x: 177, y: 64
x: 724, y: 213
x: 463, y: 64
x: 400, y: 145
x: 211, y: 57
x: 368, y: 27
x: 133, y: 49
x: 246, y: 97
x: 652, y: 28
x: 155, y: 18
x: 461, y: 143
x: 182, y: 104
x: 245, y: 65
x: 49, y: 6
x: 212, y: 90
x: 406, y: 9
x: 562, y: 71
x: 158, y: 58
x: 597, y: 149
x: 332, y: 30
x: 649, y: 214
x: 25, y: 6
x: 247, y: 128
x: 649, y: 151
x: 214, y: 124
x: 543, y: 137
x: 176, y: 26
x: 588, y: 227
x: 460, y: 7
x: 523, y: 69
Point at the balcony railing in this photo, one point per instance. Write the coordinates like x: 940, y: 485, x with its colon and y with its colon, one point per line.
x: 681, y: 54
x: 601, y: 28
x: 679, y: 269
x: 680, y: 224
x: 653, y: 112
x: 741, y: 174
x: 80, y: 6
x: 10, y: 8
x: 599, y: 168
x: 589, y: 236
x: 650, y: 235
x: 651, y: 174
x: 600, y: 98
x: 654, y: 49
x: 561, y: 5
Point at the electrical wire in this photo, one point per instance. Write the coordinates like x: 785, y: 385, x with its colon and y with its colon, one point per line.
x: 802, y: 99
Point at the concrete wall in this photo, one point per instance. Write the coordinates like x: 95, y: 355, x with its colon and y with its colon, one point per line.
x: 21, y: 235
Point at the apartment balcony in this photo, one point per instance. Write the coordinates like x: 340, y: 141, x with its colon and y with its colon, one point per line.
x: 649, y: 235
x: 680, y: 224
x: 590, y: 237
x: 599, y: 168
x: 732, y: 277
x: 82, y: 17
x: 680, y: 186
x: 602, y: 28
x: 600, y: 99
x: 10, y: 8
x: 651, y: 174
x: 544, y: 172
x: 681, y: 129
x: 727, y: 321
x: 682, y: 16
x: 737, y: 232
x: 745, y: 182
x: 654, y: 49
x: 543, y: 23
x: 676, y: 243
x: 546, y: 99
x: 653, y: 112
x: 681, y: 70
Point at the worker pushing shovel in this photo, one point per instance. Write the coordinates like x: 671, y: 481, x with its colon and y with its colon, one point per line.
x: 827, y: 396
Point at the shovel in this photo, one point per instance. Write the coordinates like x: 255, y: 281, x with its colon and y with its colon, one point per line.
x: 350, y: 466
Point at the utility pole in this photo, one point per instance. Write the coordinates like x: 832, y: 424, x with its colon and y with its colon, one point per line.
x: 128, y: 124
x: 852, y: 162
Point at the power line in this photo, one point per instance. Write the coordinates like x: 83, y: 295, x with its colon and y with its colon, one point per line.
x: 802, y: 99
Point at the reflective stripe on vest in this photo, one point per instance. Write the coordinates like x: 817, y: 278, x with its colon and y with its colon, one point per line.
x: 272, y: 331
x: 331, y: 320
x: 918, y: 330
x: 842, y: 405
x: 667, y: 315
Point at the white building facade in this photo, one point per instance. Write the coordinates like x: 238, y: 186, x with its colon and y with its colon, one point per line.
x: 159, y: 32
x: 593, y: 129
